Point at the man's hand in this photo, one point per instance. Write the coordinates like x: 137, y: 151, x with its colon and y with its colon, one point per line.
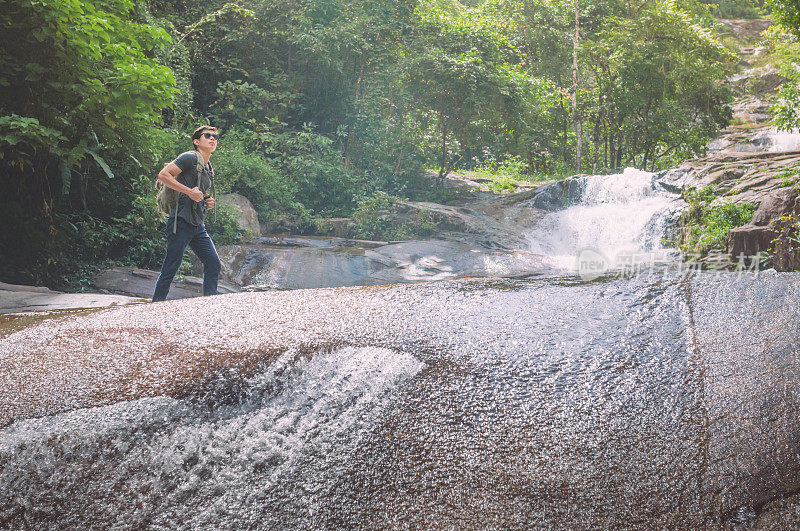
x: 195, y: 194
x: 210, y: 202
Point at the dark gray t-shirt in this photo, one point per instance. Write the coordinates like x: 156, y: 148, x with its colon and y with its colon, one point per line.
x: 188, y: 210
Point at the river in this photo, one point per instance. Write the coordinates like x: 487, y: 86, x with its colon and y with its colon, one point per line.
x: 642, y: 397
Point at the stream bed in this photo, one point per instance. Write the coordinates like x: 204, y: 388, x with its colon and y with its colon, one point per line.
x: 648, y: 400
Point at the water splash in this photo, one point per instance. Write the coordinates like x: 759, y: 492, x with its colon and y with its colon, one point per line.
x: 210, y: 460
x: 619, y: 216
x: 784, y: 140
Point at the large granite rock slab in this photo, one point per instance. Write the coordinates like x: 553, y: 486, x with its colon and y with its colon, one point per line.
x: 693, y: 425
x: 746, y: 332
x: 737, y: 176
x: 18, y: 299
x: 136, y: 282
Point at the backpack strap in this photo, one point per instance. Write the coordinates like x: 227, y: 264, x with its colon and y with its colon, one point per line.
x: 213, y: 190
x: 198, y: 164
x: 200, y: 168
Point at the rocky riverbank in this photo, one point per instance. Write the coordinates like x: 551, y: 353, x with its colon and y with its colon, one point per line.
x: 487, y: 234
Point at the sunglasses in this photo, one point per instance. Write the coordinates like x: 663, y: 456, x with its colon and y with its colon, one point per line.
x: 215, y: 136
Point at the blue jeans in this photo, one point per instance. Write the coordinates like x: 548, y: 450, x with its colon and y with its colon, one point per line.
x: 196, y: 237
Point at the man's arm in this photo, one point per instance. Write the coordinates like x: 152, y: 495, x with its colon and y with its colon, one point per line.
x: 168, y: 177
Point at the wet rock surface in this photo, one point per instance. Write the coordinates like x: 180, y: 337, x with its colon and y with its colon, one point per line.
x: 16, y: 299
x: 486, y: 238
x: 751, y: 391
x: 642, y: 402
x: 136, y: 282
x: 278, y: 264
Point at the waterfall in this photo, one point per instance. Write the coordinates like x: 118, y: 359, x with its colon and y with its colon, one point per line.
x: 258, y: 447
x: 616, y: 219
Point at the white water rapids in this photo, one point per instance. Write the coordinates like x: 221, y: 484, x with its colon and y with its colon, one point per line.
x: 213, y: 461
x: 621, y: 218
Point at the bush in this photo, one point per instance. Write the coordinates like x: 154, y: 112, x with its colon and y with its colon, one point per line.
x: 736, y: 8
x: 241, y: 170
x: 223, y: 227
x: 377, y: 218
x: 373, y: 217
x: 316, y: 168
x: 704, y: 226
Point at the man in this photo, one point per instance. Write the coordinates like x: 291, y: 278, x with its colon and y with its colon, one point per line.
x: 190, y: 174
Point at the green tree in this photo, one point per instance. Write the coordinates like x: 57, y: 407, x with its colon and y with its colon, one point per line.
x: 784, y: 40
x: 787, y: 14
x: 658, y: 85
x: 80, y: 101
x: 466, y: 79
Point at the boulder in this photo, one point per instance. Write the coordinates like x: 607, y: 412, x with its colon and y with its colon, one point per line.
x: 775, y: 205
x: 758, y: 235
x: 136, y: 282
x: 749, y: 240
x: 786, y: 255
x: 244, y: 213
x: 560, y: 194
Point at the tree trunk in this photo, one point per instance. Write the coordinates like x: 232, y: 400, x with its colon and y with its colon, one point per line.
x: 575, y: 118
x: 443, y: 161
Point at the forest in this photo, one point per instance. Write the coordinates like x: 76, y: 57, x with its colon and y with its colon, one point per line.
x: 328, y: 106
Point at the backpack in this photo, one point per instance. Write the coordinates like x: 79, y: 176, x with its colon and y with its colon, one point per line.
x: 166, y: 197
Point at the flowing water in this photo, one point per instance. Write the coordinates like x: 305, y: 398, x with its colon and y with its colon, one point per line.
x: 621, y: 218
x: 646, y: 401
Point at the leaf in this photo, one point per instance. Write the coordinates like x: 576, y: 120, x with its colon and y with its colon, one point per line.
x: 101, y: 163
x: 136, y: 161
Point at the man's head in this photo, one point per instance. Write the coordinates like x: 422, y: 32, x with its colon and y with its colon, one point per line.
x: 205, y: 137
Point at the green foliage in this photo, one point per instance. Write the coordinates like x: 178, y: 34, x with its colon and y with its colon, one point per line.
x: 244, y: 171
x: 377, y: 218
x: 222, y: 226
x: 81, y: 70
x: 510, y: 166
x: 736, y: 8
x: 315, y: 167
x: 787, y: 13
x: 719, y: 219
x: 467, y: 81
x: 506, y: 174
x: 77, y: 245
x: 786, y: 104
x: 701, y: 197
x: 373, y: 219
x: 80, y: 96
x: 705, y: 225
x: 783, y: 40
x: 660, y: 91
